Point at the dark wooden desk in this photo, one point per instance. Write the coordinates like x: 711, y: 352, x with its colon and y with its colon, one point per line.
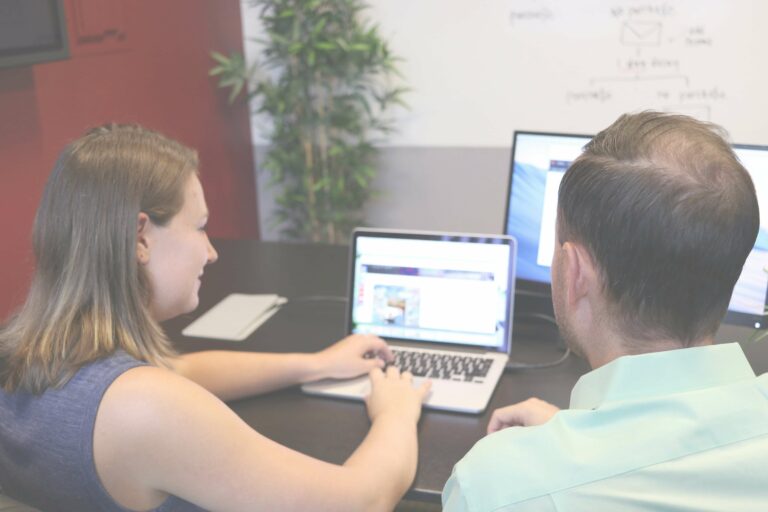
x: 331, y: 429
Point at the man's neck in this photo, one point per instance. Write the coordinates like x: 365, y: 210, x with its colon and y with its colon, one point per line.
x: 615, y: 347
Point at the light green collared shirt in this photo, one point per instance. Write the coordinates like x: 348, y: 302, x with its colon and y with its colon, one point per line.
x: 681, y: 430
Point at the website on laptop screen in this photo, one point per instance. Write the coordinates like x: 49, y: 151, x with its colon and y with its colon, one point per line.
x: 445, y: 291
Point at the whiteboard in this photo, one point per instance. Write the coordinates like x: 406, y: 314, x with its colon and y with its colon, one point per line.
x: 479, y: 69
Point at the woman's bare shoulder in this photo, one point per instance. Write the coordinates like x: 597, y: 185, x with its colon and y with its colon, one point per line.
x: 160, y: 431
x: 149, y: 399
x: 150, y: 421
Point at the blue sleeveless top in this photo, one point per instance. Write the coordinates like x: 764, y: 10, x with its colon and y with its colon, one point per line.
x: 46, y: 443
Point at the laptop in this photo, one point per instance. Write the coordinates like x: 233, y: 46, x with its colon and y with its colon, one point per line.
x: 443, y: 301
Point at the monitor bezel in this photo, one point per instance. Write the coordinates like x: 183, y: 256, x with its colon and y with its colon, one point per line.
x: 26, y: 56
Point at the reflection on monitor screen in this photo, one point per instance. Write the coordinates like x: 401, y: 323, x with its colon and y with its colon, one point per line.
x: 539, y: 161
x: 750, y: 295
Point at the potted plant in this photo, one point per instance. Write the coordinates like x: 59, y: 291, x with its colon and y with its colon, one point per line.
x: 326, y: 83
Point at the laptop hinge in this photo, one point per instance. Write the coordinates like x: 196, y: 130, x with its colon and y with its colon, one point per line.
x: 439, y: 348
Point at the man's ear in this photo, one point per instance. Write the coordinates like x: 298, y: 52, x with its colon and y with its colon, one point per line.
x: 582, y: 278
x: 142, y: 239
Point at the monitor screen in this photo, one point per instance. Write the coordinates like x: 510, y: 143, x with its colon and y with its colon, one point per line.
x: 750, y: 295
x: 539, y: 161
x: 32, y: 31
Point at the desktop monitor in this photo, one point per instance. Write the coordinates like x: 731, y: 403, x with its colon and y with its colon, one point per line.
x: 750, y: 295
x: 539, y: 161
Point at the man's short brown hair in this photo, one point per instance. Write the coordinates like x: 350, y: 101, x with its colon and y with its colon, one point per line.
x: 669, y: 215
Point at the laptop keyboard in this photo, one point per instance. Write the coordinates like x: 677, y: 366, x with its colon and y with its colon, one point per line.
x: 446, y: 366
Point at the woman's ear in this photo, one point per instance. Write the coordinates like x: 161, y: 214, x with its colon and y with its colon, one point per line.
x: 142, y: 239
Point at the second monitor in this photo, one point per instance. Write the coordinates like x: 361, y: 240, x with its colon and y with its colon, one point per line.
x: 539, y: 161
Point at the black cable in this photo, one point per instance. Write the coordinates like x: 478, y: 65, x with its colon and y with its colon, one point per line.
x: 514, y: 365
x: 529, y: 293
x: 539, y: 316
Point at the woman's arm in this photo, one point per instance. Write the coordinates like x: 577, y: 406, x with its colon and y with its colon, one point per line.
x: 158, y: 434
x: 231, y: 375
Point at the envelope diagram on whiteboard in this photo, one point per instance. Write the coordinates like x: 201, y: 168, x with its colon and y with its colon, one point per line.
x: 641, y: 33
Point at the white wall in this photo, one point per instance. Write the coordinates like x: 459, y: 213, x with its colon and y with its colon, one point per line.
x: 479, y: 69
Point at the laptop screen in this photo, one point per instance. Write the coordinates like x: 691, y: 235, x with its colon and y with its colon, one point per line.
x: 433, y: 287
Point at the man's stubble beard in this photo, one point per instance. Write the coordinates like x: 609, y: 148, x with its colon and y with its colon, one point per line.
x: 567, y: 333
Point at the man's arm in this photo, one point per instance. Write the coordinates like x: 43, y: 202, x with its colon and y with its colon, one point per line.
x: 529, y: 413
x: 453, y: 497
x: 501, y: 463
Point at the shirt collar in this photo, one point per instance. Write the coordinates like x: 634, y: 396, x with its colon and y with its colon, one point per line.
x: 661, y: 373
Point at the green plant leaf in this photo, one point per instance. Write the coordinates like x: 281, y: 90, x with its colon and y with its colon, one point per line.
x: 221, y: 59
x: 216, y: 70
x: 319, y: 26
x: 235, y: 91
x: 326, y: 93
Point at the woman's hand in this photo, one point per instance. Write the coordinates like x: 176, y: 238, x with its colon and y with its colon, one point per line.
x: 354, y: 355
x: 393, y: 394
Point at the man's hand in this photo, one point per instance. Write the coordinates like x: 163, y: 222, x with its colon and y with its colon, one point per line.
x: 524, y: 414
x: 355, y: 355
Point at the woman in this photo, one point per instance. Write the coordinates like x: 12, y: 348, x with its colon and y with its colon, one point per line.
x: 97, y: 412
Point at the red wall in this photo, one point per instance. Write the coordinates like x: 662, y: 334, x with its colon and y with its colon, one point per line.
x: 142, y: 61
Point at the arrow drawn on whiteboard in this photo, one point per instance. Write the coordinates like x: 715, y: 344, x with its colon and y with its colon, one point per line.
x: 637, y: 78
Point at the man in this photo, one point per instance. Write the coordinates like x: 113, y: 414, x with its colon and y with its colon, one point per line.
x: 655, y: 221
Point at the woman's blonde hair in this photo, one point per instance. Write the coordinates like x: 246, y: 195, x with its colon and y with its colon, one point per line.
x: 89, y: 296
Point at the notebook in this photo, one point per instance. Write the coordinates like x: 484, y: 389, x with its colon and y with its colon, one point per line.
x: 235, y: 317
x: 443, y: 301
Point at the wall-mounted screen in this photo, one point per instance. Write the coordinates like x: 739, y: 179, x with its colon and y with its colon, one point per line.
x: 32, y: 31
